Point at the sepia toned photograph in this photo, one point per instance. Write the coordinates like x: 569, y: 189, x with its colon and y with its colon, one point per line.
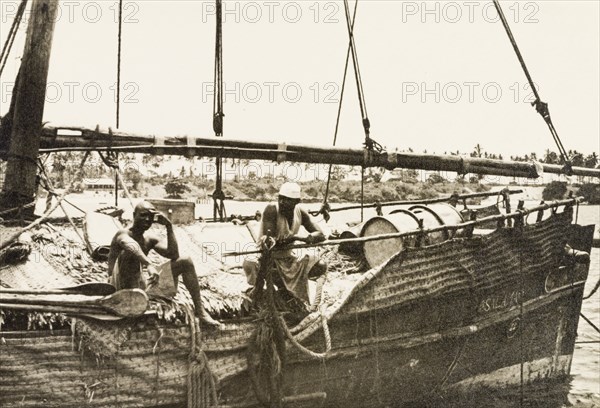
x: 300, y: 203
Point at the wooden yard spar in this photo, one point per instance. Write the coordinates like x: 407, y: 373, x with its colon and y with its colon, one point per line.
x: 53, y: 139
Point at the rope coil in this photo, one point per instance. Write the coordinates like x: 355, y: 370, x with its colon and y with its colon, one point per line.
x: 267, y: 349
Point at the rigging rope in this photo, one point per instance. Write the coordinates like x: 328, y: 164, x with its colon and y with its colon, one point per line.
x: 362, y: 194
x: 540, y: 106
x: 357, y: 76
x: 49, y: 211
x: 111, y: 160
x: 218, y: 74
x: 118, y: 98
x: 324, y: 208
x: 370, y: 144
x: 12, y: 35
x: 218, y: 195
x: 49, y: 187
x: 118, y: 101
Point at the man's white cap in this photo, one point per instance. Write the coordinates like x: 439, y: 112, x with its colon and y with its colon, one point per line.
x: 290, y: 190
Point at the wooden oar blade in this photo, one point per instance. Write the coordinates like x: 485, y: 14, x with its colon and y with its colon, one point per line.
x: 92, y: 313
x: 126, y: 302
x: 51, y: 299
x: 89, y: 289
x: 93, y: 289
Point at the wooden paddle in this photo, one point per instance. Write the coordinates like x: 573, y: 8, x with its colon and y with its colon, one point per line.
x: 94, y: 313
x: 126, y: 302
x: 97, y: 314
x: 90, y: 289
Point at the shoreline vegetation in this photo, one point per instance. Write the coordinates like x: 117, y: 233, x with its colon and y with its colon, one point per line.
x: 340, y: 191
x: 191, y: 179
x: 408, y: 187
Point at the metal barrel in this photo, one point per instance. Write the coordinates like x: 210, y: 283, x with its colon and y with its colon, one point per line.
x: 352, y: 248
x: 403, y: 219
x: 377, y: 252
x: 435, y: 215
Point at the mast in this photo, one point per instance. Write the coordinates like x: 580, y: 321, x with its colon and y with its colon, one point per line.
x: 28, y: 101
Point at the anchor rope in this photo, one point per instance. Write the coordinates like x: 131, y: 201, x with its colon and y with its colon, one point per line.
x: 459, y: 352
x: 593, y: 290
x: 304, y: 350
x: 267, y: 355
x: 266, y: 350
x: 519, y: 224
x: 590, y: 322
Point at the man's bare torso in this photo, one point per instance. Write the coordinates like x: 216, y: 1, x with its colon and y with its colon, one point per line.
x: 129, y: 265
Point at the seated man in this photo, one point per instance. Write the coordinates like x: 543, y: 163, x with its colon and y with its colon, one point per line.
x: 128, y: 254
x: 279, y: 224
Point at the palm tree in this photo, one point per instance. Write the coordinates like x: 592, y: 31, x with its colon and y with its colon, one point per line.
x: 577, y: 159
x: 550, y: 157
x: 591, y: 161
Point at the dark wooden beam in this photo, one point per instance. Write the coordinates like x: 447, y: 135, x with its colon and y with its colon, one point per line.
x: 81, y: 139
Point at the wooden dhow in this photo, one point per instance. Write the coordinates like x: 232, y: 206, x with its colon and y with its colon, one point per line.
x: 468, y: 306
x: 484, y: 309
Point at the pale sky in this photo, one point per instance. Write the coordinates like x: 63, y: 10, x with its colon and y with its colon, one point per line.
x: 440, y: 76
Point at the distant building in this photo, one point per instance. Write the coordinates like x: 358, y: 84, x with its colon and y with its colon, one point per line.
x: 100, y: 184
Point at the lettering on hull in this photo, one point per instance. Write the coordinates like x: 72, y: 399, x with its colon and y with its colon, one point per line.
x: 500, y: 301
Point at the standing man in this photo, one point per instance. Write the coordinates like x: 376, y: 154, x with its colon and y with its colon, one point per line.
x: 129, y: 254
x: 280, y: 224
